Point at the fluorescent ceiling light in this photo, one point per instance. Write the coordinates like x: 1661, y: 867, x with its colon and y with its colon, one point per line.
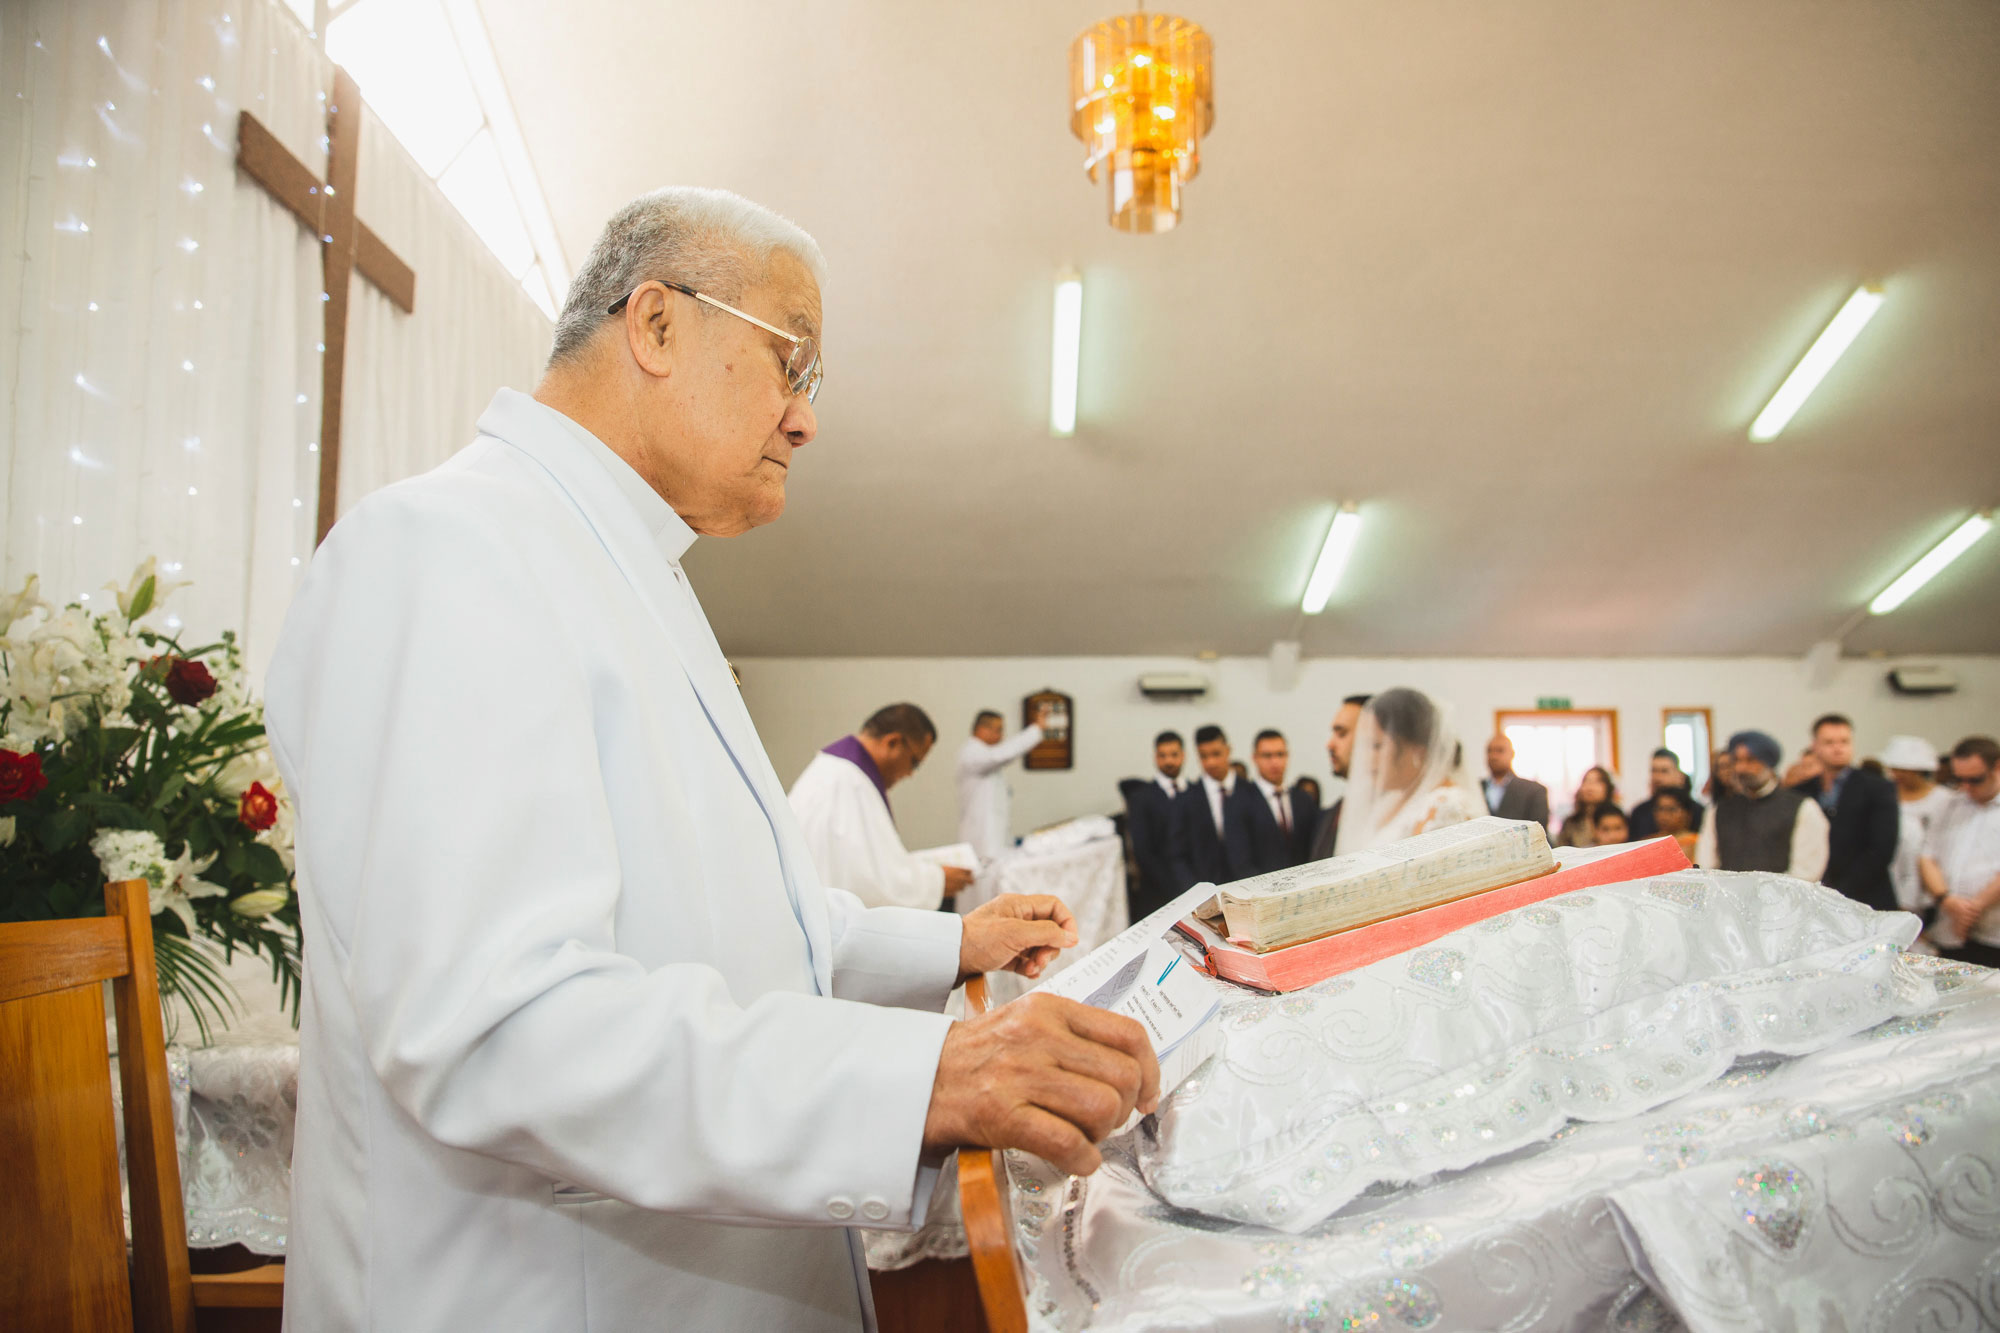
x: 1819, y: 359
x: 1932, y: 564
x: 1332, y: 559
x: 1063, y: 361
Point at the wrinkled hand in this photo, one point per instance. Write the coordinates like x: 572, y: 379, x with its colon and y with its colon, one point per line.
x: 1044, y: 1074
x: 1016, y: 932
x: 1961, y: 912
x: 956, y: 880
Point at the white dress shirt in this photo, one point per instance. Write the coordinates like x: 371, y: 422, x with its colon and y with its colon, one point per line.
x: 853, y: 839
x: 1218, y: 792
x: 1912, y: 837
x: 1171, y: 786
x: 1965, y: 843
x: 984, y: 816
x: 574, y: 1052
x: 1274, y: 800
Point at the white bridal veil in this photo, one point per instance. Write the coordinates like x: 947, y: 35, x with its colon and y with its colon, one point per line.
x: 1405, y: 750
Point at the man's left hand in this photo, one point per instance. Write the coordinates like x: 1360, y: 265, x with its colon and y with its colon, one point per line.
x: 1960, y: 911
x: 1016, y: 932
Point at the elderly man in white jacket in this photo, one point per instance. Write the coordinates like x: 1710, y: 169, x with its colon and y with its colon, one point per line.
x: 586, y: 1044
x: 842, y: 803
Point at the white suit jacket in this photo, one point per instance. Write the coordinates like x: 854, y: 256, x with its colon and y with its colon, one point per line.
x: 580, y: 1034
x: 853, y: 840
x: 983, y: 795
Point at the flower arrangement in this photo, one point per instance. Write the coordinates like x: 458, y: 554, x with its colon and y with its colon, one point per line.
x: 124, y: 755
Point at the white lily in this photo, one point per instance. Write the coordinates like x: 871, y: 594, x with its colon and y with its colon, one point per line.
x: 148, y: 569
x: 183, y: 885
x: 21, y: 603
x: 260, y: 903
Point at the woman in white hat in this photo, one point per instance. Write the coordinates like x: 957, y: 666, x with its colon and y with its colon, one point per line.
x: 1913, y: 764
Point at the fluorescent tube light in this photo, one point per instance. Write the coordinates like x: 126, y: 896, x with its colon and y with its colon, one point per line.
x: 1068, y: 348
x: 1819, y: 359
x: 1332, y: 559
x: 1931, y: 565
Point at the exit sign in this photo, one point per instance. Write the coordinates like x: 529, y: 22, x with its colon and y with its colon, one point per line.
x: 1553, y: 703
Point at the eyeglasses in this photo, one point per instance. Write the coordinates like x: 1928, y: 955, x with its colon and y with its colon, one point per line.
x: 803, y: 368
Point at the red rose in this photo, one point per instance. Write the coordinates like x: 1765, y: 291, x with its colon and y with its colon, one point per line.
x: 258, y: 809
x: 188, y: 682
x: 21, y: 777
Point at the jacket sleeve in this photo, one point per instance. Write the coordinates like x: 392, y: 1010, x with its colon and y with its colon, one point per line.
x: 987, y: 758
x: 1148, y: 821
x: 1877, y: 850
x: 1237, y: 842
x: 1180, y: 851
x: 1538, y: 804
x: 1809, y: 842
x: 459, y: 860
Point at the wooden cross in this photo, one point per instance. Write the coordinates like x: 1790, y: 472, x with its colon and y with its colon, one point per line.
x: 346, y: 245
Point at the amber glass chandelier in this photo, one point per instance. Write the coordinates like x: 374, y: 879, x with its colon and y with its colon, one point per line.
x: 1141, y: 98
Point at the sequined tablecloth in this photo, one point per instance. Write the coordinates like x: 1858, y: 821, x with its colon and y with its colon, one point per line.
x: 1855, y: 1186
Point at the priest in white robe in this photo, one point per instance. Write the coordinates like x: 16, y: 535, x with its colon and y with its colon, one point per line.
x: 842, y: 804
x: 985, y: 802
x: 586, y: 1045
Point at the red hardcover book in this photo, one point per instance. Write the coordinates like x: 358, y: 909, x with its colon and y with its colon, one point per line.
x: 1301, y: 965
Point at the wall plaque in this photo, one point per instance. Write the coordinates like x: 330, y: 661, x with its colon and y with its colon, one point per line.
x: 1058, y: 729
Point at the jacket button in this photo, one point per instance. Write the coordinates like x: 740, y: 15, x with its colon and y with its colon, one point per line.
x: 875, y: 1210
x: 840, y: 1209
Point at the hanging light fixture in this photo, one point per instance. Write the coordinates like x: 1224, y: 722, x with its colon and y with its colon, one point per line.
x: 1141, y: 98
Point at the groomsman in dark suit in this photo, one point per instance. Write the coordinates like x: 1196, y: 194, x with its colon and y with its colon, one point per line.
x: 1508, y: 794
x: 1272, y: 826
x: 1863, y: 815
x: 1339, y: 753
x: 1149, y: 823
x: 1202, y: 813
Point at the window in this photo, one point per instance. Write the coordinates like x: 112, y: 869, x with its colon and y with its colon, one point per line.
x: 426, y: 68
x: 1690, y: 734
x: 1557, y: 749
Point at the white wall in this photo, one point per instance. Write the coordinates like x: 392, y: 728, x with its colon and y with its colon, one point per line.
x: 802, y: 703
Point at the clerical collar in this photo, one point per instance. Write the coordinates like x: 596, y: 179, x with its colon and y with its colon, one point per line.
x: 670, y: 533
x: 854, y: 752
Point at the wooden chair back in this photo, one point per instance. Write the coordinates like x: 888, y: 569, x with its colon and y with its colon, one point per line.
x: 62, y: 1238
x: 986, y: 1202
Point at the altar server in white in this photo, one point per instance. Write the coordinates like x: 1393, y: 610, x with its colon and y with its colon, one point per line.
x: 581, y: 1046
x: 983, y: 795
x: 842, y: 803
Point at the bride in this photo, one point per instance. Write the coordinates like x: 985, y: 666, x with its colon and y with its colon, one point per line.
x: 1406, y: 777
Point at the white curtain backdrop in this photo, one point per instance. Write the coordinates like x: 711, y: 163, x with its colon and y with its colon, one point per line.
x: 160, y: 315
x: 428, y: 375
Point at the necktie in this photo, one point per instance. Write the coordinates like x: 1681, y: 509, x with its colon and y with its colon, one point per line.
x: 1284, y: 815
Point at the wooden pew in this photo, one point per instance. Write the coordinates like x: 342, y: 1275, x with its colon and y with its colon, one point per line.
x: 63, y: 1258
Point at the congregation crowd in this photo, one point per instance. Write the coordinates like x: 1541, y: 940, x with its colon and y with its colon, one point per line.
x: 1907, y: 830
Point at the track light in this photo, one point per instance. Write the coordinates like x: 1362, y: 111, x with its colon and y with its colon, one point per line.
x: 1340, y: 536
x: 1068, y: 349
x: 1818, y: 360
x: 1931, y: 565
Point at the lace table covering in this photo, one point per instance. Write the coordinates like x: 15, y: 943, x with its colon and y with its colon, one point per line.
x: 1850, y: 1183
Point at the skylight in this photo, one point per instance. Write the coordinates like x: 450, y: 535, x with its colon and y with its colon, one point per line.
x: 427, y: 71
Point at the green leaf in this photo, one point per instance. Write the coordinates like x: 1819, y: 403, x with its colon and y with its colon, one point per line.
x: 142, y: 601
x: 265, y: 865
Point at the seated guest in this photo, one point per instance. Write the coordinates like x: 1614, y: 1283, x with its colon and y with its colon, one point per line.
x: 842, y: 801
x: 1912, y: 765
x: 1339, y: 753
x: 1760, y: 824
x: 1149, y: 824
x: 1665, y: 775
x: 1961, y: 862
x: 1720, y: 765
x: 1862, y: 817
x: 1593, y: 792
x: 1402, y: 781
x: 1274, y: 830
x: 1508, y: 794
x: 1673, y: 817
x: 1201, y: 815
x: 1608, y: 827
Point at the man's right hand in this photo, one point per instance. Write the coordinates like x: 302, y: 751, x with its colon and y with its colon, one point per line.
x: 956, y: 880
x: 1043, y: 1074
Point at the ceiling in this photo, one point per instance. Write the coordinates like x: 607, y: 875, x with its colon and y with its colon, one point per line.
x: 1515, y: 278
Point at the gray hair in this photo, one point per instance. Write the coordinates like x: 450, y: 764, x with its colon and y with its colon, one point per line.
x: 711, y: 240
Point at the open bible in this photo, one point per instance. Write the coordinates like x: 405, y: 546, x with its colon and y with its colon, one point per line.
x: 1302, y: 903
